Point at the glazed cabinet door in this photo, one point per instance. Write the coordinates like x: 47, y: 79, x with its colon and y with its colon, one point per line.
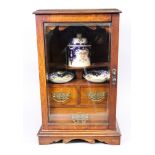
x: 78, y: 71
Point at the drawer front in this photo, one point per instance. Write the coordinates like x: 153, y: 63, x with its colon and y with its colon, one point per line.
x: 78, y: 116
x: 94, y: 96
x: 62, y: 96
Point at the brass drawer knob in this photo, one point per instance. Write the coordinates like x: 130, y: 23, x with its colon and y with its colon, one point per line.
x: 97, y: 96
x: 61, y: 96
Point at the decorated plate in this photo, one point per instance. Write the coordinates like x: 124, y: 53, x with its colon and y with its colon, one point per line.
x: 60, y: 76
x: 97, y: 76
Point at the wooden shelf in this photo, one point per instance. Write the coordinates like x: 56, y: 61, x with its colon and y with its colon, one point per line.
x: 78, y: 82
x: 94, y: 65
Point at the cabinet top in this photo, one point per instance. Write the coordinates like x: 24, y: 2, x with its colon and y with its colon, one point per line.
x: 75, y: 11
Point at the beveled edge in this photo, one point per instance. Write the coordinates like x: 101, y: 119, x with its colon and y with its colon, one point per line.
x: 75, y: 11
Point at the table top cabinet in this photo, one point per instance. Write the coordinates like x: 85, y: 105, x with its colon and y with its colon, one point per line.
x: 78, y: 66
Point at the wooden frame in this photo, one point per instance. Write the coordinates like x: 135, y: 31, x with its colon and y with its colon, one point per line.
x: 49, y: 134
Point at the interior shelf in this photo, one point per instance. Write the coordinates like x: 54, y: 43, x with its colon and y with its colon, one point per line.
x: 93, y: 65
x: 79, y: 82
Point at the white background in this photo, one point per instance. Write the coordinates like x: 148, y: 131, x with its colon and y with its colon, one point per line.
x: 20, y: 113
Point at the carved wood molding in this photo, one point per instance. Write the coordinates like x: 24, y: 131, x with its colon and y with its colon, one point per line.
x: 91, y: 136
x: 62, y: 28
x: 108, y: 140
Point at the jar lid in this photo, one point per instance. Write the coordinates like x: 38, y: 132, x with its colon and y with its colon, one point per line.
x: 78, y: 41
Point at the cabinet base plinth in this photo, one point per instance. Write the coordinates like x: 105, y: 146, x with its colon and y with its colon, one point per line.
x: 105, y: 136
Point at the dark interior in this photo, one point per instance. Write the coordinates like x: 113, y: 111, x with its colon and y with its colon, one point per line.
x: 56, y: 42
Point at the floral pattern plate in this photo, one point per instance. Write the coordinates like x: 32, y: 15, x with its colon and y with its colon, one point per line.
x: 60, y: 76
x: 97, y: 76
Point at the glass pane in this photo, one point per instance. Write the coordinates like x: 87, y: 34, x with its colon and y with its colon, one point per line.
x: 77, y: 69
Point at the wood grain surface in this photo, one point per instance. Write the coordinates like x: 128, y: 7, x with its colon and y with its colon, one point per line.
x: 79, y: 103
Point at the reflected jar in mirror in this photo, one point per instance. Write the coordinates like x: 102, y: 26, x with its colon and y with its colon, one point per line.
x: 79, y: 52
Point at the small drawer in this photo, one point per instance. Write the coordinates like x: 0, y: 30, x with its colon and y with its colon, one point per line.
x: 94, y: 95
x: 62, y: 96
x: 78, y: 116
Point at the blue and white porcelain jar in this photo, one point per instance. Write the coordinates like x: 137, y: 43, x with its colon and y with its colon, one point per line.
x: 79, y: 54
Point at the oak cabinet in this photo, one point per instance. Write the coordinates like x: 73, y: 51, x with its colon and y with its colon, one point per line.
x: 81, y: 48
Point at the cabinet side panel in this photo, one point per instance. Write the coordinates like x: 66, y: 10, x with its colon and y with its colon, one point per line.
x: 42, y: 74
x: 113, y: 65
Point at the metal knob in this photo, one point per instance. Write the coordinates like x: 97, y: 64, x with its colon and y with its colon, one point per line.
x: 114, y: 76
